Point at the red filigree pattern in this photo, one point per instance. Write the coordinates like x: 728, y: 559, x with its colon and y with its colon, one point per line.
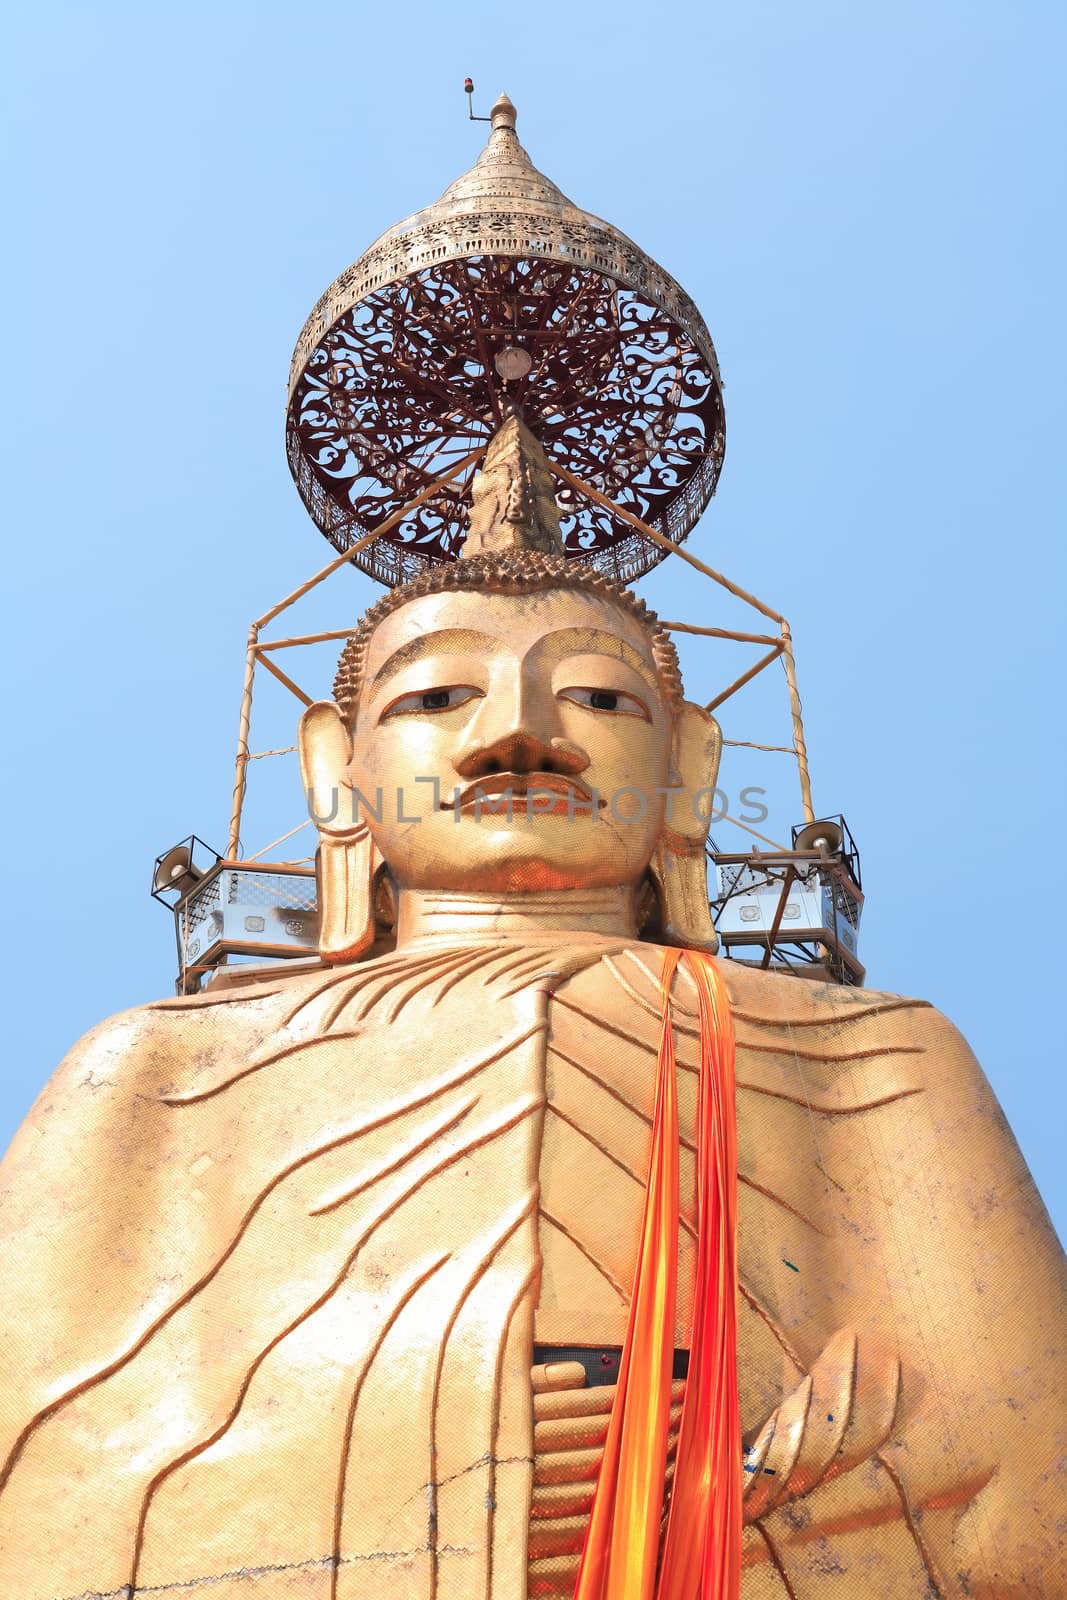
x: 413, y: 377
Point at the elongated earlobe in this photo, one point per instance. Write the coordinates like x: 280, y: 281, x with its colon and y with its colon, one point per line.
x: 345, y: 868
x: 679, y: 866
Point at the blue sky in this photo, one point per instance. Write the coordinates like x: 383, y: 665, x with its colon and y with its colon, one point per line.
x: 866, y: 203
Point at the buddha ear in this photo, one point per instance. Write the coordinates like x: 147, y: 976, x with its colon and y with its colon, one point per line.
x: 346, y: 861
x: 325, y: 751
x: 679, y: 865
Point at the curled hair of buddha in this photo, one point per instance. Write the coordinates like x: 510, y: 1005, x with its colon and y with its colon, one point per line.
x: 512, y: 573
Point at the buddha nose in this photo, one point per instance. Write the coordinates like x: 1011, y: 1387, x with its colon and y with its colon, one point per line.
x: 520, y: 750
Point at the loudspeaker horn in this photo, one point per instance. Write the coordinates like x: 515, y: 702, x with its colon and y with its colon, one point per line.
x: 825, y: 836
x: 176, y: 870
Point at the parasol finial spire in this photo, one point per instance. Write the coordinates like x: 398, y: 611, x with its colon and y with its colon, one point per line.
x: 503, y: 114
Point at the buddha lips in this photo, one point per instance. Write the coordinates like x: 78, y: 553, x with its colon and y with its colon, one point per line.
x: 701, y: 1553
x: 531, y: 795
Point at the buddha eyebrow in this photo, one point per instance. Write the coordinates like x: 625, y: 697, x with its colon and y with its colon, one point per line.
x: 452, y: 640
x: 598, y: 641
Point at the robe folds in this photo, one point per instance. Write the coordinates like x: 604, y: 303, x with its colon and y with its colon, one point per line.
x: 276, y: 1258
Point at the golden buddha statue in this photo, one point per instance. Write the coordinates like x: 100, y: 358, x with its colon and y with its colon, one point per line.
x: 315, y: 1283
x: 318, y: 1283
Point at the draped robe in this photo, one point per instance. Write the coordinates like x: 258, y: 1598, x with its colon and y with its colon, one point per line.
x: 277, y: 1257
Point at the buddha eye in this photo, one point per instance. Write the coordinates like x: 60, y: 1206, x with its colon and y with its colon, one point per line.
x: 428, y: 701
x: 611, y: 700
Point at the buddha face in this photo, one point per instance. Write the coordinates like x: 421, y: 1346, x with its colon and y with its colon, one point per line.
x: 512, y: 742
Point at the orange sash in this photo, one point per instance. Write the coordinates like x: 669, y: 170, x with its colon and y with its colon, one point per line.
x: 701, y: 1558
